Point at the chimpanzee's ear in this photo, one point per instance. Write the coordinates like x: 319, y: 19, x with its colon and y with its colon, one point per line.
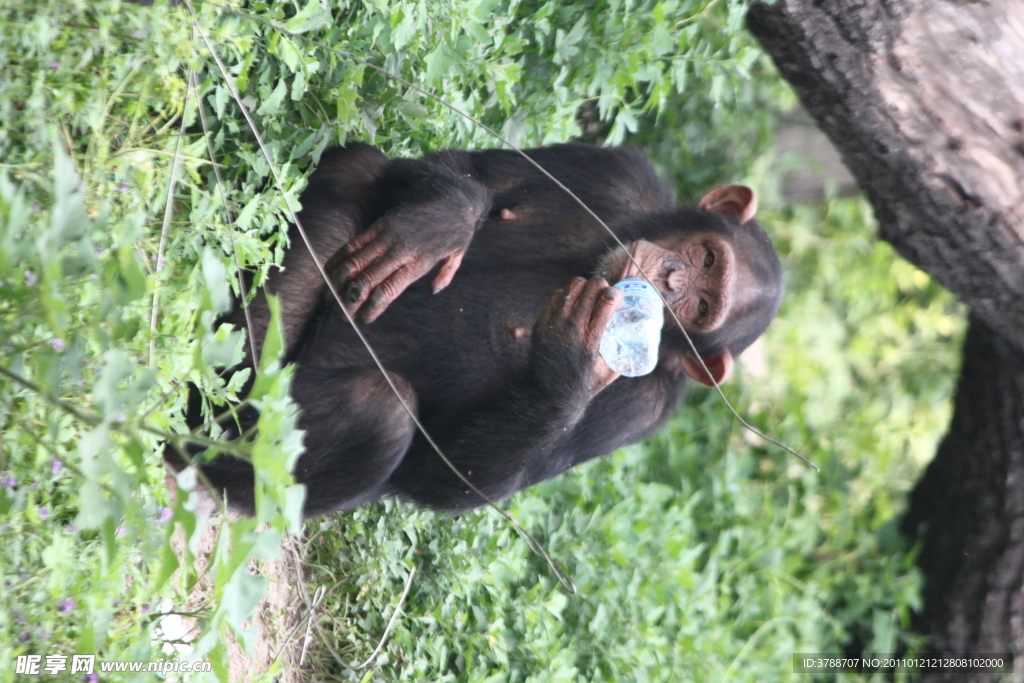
x: 735, y: 199
x: 720, y: 367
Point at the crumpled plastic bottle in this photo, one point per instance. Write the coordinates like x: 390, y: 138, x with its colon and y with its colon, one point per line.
x: 631, y: 339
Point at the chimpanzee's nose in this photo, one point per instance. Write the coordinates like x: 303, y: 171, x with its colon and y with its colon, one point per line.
x: 674, y: 275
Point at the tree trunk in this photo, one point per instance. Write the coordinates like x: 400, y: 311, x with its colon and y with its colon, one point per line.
x: 924, y: 99
x: 971, y: 504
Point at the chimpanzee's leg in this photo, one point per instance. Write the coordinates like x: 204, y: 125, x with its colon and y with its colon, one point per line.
x: 340, y: 201
x: 356, y: 435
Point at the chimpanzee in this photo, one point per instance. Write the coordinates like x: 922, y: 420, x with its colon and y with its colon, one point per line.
x: 484, y: 289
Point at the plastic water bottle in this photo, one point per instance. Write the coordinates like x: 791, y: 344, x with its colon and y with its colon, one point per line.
x: 630, y: 342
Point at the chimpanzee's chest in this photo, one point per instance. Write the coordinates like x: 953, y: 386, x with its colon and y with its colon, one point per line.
x: 466, y: 342
x: 472, y: 339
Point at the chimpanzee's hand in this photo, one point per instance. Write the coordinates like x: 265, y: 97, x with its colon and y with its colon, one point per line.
x: 564, y: 356
x: 375, y: 267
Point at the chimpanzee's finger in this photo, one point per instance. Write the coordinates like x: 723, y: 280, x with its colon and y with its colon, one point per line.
x: 377, y: 272
x: 361, y: 240
x: 607, y: 302
x: 386, y: 292
x: 449, y: 265
x: 585, y: 303
x: 334, y: 263
x: 572, y: 293
x: 355, y: 264
x: 547, y: 314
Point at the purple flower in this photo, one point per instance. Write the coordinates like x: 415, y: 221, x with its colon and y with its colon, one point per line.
x: 65, y: 606
x: 118, y: 602
x: 91, y: 678
x: 94, y: 276
x: 10, y: 482
x: 123, y: 187
x: 120, y: 417
x: 145, y: 608
x: 19, y: 620
x: 57, y: 343
x: 99, y: 251
x: 30, y: 278
x: 69, y: 527
x: 54, y: 65
x: 25, y: 637
x: 164, y: 514
x: 43, y: 512
x: 121, y: 530
x: 56, y: 466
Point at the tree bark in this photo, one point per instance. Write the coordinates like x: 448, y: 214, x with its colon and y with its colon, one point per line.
x: 970, y: 507
x: 924, y: 99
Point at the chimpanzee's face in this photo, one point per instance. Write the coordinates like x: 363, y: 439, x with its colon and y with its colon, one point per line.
x: 695, y: 274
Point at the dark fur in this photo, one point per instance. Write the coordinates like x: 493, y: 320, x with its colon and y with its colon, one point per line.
x: 508, y: 413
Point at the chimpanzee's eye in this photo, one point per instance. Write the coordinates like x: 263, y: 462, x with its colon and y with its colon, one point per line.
x: 709, y: 260
x: 702, y: 308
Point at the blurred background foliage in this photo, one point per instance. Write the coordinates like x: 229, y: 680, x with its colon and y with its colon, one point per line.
x: 703, y: 554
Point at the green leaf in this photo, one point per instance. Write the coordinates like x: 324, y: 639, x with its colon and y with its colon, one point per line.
x: 132, y: 276
x: 442, y: 61
x: 68, y: 221
x: 242, y: 596
x: 215, y: 277
x: 295, y: 499
x: 288, y: 53
x: 109, y: 397
x: 244, y: 217
x: 273, y: 342
x: 412, y: 108
x: 223, y: 349
x: 93, y: 507
x: 310, y: 18
x: 346, y: 104
x: 272, y: 104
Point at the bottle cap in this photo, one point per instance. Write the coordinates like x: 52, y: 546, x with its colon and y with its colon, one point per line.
x: 637, y: 286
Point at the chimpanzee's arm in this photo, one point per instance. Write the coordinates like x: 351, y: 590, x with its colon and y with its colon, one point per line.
x: 435, y: 204
x: 546, y: 420
x: 431, y: 209
x: 527, y: 435
x: 341, y: 199
x: 419, y: 205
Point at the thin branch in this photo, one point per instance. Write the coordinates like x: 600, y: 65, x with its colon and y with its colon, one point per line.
x: 392, y: 620
x: 94, y: 420
x: 243, y: 295
x: 168, y: 211
x: 317, y: 597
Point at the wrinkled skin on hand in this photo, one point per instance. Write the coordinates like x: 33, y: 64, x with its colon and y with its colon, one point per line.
x: 374, y: 268
x: 572, y: 324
